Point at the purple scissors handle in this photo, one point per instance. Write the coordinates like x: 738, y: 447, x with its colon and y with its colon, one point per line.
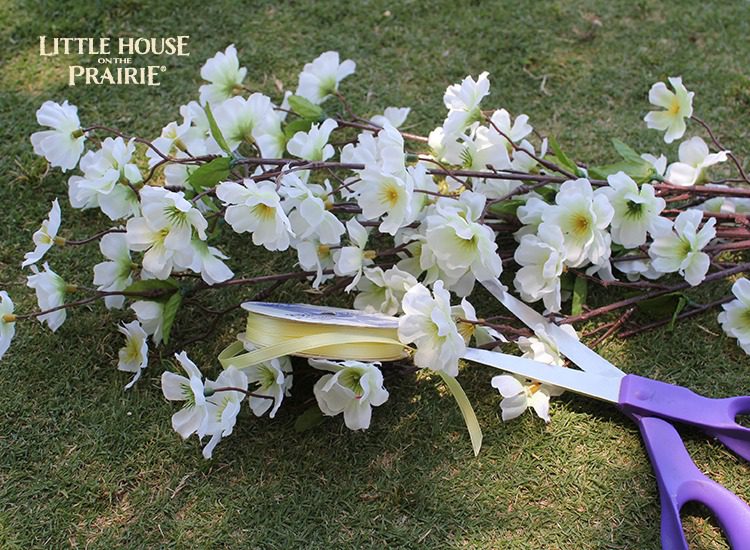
x: 716, y: 417
x: 680, y: 481
x: 653, y: 405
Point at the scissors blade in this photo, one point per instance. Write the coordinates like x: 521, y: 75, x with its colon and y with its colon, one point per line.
x: 605, y: 388
x: 585, y: 358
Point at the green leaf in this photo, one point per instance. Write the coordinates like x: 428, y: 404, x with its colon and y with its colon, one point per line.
x: 561, y: 158
x: 305, y: 108
x: 567, y: 281
x: 153, y: 286
x: 215, y: 131
x: 470, y: 417
x: 210, y: 174
x: 309, y: 419
x: 632, y: 164
x: 627, y: 152
x: 548, y: 193
x: 677, y: 310
x: 663, y: 305
x: 507, y: 207
x: 580, y: 292
x: 299, y: 125
x: 641, y: 172
x: 170, y: 312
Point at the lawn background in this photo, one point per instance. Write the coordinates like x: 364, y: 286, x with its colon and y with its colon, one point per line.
x: 84, y: 464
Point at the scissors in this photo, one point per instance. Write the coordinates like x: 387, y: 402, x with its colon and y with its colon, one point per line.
x: 653, y: 406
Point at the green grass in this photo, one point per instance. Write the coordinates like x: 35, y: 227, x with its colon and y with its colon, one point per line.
x: 84, y: 464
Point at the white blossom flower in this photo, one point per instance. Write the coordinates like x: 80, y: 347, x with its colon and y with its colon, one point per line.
x: 694, y: 158
x: 530, y: 214
x: 428, y: 323
x: 465, y: 317
x: 222, y: 407
x: 386, y: 195
x: 313, y: 144
x: 383, y: 152
x: 487, y: 148
x: 176, y: 140
x: 196, y: 114
x: 256, y: 208
x: 245, y: 120
x: 659, y: 164
x: 307, y: 206
x: 602, y: 270
x: 542, y: 346
x: 151, y: 316
x: 115, y: 274
x: 350, y: 260
x: 636, y: 268
x: 516, y: 131
x: 678, y: 246
x: 271, y: 139
x: 45, y: 237
x: 272, y: 379
x: 108, y: 177
x: 459, y: 242
x: 207, y: 260
x: 522, y: 160
x: 725, y: 205
x: 735, y: 319
x: 315, y: 256
x: 462, y: 101
x: 445, y: 147
x: 635, y: 209
x: 541, y: 257
x: 321, y: 78
x: 165, y: 231
x: 583, y: 218
x: 382, y: 291
x: 190, y: 389
x: 519, y: 393
x: 198, y: 139
x: 7, y: 322
x: 62, y: 146
x: 353, y: 389
x: 678, y: 105
x: 395, y: 116
x: 50, y: 291
x: 425, y: 187
x: 133, y: 356
x: 225, y: 75
x: 416, y: 258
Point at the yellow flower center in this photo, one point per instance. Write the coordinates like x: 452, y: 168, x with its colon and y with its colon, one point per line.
x: 466, y: 330
x: 580, y: 223
x: 674, y: 107
x: 389, y: 194
x: 132, y: 350
x: 264, y: 212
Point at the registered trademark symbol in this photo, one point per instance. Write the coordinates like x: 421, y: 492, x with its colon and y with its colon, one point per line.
x: 163, y: 68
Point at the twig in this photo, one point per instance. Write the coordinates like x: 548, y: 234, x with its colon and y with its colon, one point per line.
x: 736, y: 161
x: 94, y: 237
x: 612, y: 329
x: 718, y: 275
x: 683, y: 315
x: 550, y: 165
